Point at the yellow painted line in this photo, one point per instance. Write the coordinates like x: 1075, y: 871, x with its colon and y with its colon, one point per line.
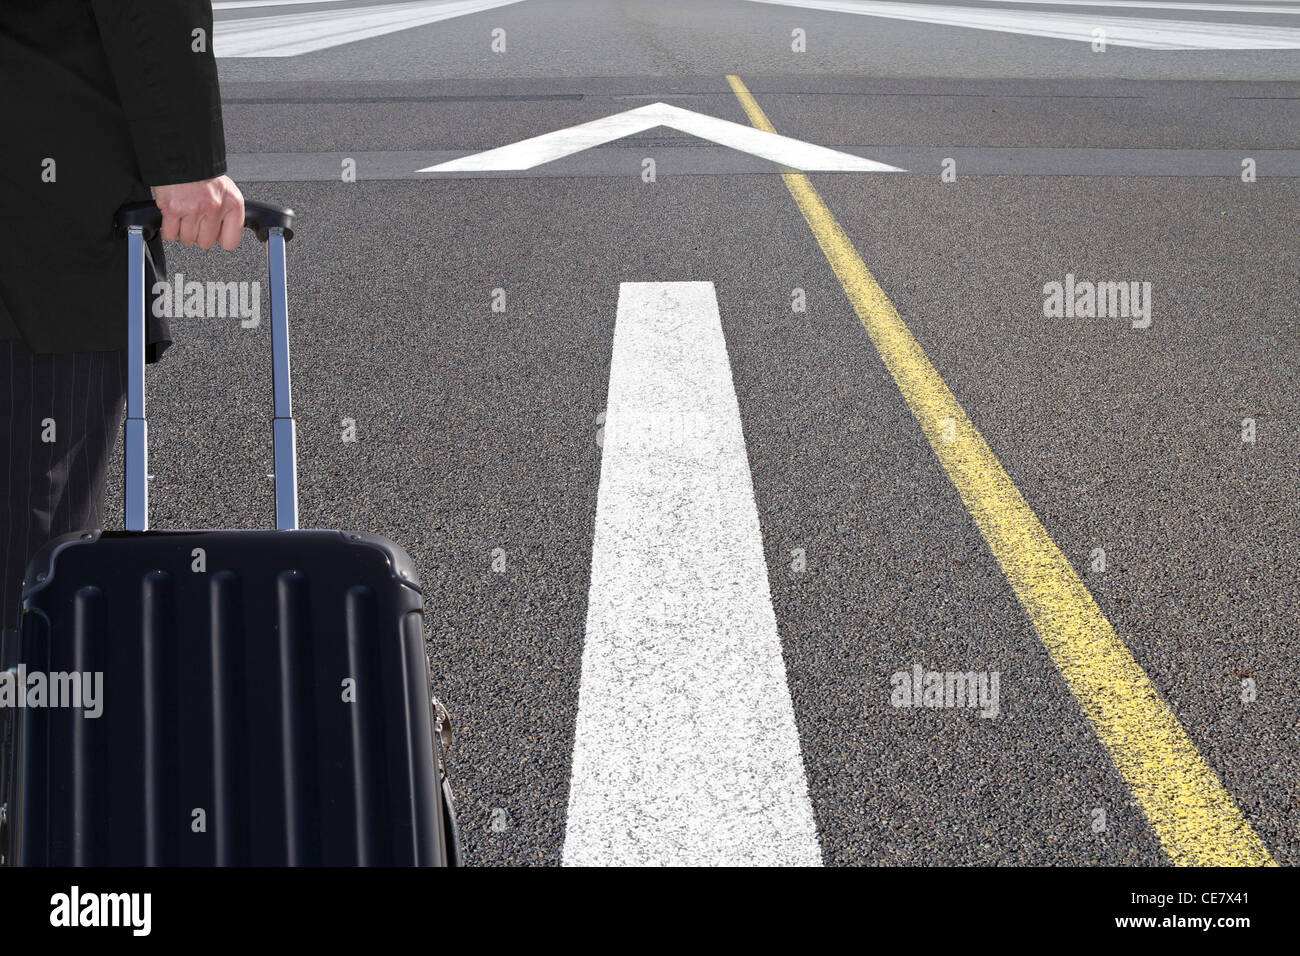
x: 1195, y: 817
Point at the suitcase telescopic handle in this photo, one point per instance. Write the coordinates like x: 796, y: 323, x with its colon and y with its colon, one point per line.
x: 139, y: 222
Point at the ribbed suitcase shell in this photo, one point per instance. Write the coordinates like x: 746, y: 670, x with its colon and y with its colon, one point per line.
x: 225, y: 736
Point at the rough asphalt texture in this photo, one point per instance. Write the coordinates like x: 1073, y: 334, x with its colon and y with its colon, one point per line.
x: 477, y: 429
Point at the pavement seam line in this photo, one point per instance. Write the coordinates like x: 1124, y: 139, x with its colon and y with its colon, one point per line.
x: 1195, y: 817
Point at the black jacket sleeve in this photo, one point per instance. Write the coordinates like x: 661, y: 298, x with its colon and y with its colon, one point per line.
x: 160, y: 55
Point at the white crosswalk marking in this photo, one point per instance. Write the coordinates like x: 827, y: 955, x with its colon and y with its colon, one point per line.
x: 1191, y: 6
x: 686, y: 751
x: 1147, y: 34
x: 257, y: 4
x: 291, y: 34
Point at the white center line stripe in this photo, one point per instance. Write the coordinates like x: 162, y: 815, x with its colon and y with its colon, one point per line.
x: 686, y: 751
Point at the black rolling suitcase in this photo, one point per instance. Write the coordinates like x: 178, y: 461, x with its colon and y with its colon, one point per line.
x: 264, y: 695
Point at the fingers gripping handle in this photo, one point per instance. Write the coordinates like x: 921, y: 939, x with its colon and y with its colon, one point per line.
x: 139, y: 222
x: 260, y: 217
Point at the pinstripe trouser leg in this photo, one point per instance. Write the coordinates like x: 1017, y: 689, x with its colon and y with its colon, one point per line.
x: 59, y: 418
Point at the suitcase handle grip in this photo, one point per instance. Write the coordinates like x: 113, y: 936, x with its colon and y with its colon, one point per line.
x: 139, y: 222
x: 261, y: 217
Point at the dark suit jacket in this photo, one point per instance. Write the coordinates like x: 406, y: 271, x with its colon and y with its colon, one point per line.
x: 116, y: 95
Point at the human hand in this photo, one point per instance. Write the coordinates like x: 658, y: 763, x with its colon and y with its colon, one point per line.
x: 202, y: 212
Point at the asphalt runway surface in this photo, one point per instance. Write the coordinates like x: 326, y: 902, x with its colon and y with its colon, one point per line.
x: 480, y: 431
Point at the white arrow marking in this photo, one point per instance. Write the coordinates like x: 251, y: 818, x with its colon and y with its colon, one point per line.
x: 548, y: 147
x: 685, y: 751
